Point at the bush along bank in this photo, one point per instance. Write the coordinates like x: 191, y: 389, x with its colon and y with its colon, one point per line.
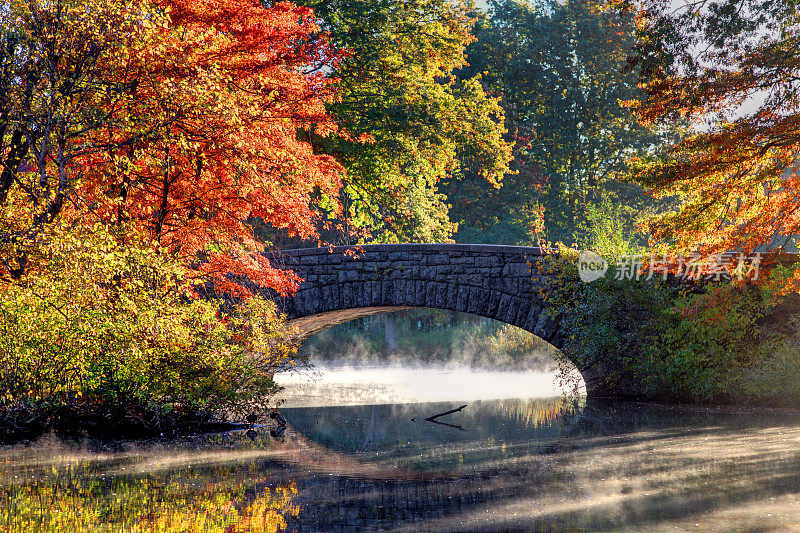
x: 111, y: 341
x: 671, y: 341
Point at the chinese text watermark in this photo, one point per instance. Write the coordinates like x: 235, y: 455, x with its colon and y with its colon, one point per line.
x: 685, y: 267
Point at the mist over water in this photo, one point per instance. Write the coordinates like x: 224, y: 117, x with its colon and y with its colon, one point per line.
x: 330, y: 384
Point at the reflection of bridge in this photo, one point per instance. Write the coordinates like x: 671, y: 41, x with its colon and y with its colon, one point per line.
x: 499, y: 282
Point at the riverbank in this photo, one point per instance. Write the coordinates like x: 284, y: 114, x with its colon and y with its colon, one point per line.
x: 104, y: 423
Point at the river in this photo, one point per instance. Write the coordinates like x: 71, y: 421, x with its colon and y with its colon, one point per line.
x: 357, y: 454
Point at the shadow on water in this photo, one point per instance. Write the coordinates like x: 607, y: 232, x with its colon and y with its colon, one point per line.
x: 519, y: 465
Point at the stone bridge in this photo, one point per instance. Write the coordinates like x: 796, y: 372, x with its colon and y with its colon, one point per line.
x: 503, y: 283
x: 499, y: 282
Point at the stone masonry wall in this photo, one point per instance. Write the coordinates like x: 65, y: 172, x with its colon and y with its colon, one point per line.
x: 498, y: 282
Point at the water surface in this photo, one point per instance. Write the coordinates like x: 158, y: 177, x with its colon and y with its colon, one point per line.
x: 507, y: 464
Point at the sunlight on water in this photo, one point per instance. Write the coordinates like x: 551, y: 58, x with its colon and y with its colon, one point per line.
x: 518, y: 465
x: 348, y: 385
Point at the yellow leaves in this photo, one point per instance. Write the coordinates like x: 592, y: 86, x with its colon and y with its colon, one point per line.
x: 96, y: 305
x: 58, y: 502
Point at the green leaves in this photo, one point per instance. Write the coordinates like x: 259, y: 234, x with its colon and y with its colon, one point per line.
x: 558, y: 67
x: 409, y: 124
x: 120, y: 326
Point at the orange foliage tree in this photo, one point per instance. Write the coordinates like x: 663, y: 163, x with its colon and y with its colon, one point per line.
x: 139, y: 142
x: 731, y: 68
x: 177, y: 118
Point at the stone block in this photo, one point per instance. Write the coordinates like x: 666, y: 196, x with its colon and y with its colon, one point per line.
x: 452, y: 297
x: 430, y: 294
x: 523, y: 309
x: 441, y: 294
x: 503, y: 308
x: 516, y: 270
x: 467, y: 261
x: 419, y: 293
x: 336, y: 297
x: 395, y: 257
x: 478, y: 301
x: 327, y: 303
x: 399, y: 291
x: 546, y: 327
x: 386, y: 293
x: 347, y: 295
x: 493, y: 304
x: 471, y: 279
x: 434, y: 259
x: 375, y: 293
x: 510, y: 285
x: 329, y: 259
x: 450, y: 270
x: 532, y: 318
x: 462, y: 299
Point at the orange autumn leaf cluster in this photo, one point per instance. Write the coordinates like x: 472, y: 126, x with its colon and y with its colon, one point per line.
x: 195, y: 110
x: 729, y: 68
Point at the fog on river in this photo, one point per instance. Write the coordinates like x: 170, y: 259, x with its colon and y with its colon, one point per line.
x: 331, y: 385
x: 424, y: 355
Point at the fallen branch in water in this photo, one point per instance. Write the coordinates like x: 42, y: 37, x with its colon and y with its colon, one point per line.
x: 446, y: 424
x: 451, y: 411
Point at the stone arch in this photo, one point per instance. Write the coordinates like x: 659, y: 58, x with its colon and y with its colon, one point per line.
x: 496, y: 282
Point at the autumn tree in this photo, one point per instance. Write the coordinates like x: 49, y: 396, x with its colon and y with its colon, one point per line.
x: 558, y: 69
x: 179, y: 118
x: 731, y: 68
x: 406, y: 121
x: 139, y: 142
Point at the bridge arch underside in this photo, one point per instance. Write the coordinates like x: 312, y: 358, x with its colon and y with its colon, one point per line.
x: 317, y: 308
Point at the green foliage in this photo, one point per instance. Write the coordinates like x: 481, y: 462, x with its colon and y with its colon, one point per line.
x: 609, y: 231
x: 113, y: 324
x: 558, y: 67
x: 705, y: 342
x: 674, y: 344
x: 409, y: 123
x: 775, y: 379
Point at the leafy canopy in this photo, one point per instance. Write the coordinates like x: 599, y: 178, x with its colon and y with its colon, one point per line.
x: 409, y: 122
x: 138, y: 141
x: 730, y: 67
x: 178, y: 118
x: 558, y: 69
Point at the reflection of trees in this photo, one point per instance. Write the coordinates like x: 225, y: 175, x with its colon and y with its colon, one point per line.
x: 203, y: 499
x: 536, y: 413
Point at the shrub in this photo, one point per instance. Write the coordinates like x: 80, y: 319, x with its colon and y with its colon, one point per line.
x: 672, y: 341
x: 113, y: 324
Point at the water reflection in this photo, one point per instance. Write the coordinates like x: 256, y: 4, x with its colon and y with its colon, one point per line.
x: 56, y: 487
x: 524, y: 465
x: 399, y: 435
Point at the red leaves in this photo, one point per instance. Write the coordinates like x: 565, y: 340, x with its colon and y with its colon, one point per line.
x: 208, y: 135
x: 738, y: 85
